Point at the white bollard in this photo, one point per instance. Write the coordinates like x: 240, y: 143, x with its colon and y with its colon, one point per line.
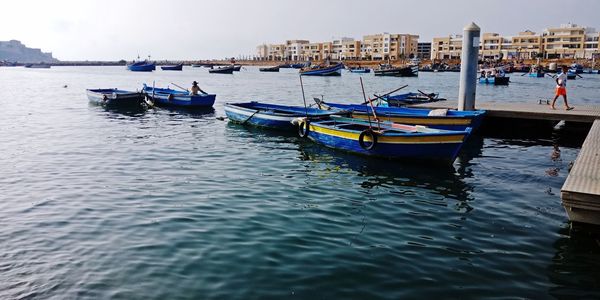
x: 468, y: 67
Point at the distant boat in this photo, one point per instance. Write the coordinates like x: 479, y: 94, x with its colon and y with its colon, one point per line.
x: 300, y: 65
x: 495, y: 80
x: 272, y: 115
x: 385, y: 139
x: 115, y: 98
x: 389, y: 70
x: 331, y: 70
x: 37, y: 66
x: 170, y: 97
x: 269, y: 69
x: 537, y: 74
x: 222, y: 70
x: 237, y: 68
x: 178, y: 67
x: 142, y: 66
x: 360, y: 70
x: 285, y: 66
x: 197, y: 66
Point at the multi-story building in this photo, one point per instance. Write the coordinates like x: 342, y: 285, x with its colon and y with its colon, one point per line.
x: 350, y: 49
x: 567, y: 41
x: 449, y: 47
x: 276, y: 52
x: 312, y: 51
x: 527, y: 45
x: 424, y: 50
x: 293, y: 49
x: 385, y: 46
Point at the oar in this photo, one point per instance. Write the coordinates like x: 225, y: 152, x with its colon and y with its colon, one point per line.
x: 579, y: 75
x: 250, y: 117
x: 180, y: 87
x: 377, y: 97
x: 426, y: 95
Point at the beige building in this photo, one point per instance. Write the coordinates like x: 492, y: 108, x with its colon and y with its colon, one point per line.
x: 449, y: 47
x: 527, y: 45
x: 389, y: 46
x: 570, y: 41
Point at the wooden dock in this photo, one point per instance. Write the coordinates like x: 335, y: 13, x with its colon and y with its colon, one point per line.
x: 529, y: 111
x: 581, y: 192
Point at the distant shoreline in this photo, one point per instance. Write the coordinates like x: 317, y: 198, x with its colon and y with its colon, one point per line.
x: 351, y: 63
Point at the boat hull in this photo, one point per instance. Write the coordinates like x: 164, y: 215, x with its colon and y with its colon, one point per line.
x: 536, y: 75
x: 147, y: 67
x: 269, y: 69
x: 494, y: 80
x: 410, y: 71
x: 453, y: 120
x: 222, y: 70
x: 335, y: 70
x: 115, y: 98
x: 178, y: 67
x: 440, y: 147
x: 360, y: 71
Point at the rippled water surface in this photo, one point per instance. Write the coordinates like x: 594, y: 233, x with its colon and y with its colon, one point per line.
x: 168, y: 204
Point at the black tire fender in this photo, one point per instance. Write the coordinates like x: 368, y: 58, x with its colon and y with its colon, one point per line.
x: 372, y: 135
x: 303, y: 128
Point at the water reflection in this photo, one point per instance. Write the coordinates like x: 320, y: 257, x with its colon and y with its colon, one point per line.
x: 575, y: 268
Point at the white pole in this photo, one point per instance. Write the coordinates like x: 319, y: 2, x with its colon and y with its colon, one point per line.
x: 468, y: 67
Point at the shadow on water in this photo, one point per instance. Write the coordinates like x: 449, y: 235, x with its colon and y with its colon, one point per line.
x: 189, y: 112
x: 575, y: 267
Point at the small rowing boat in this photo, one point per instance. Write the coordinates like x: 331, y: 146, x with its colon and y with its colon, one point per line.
x: 222, y: 70
x: 115, y: 97
x: 270, y: 69
x: 178, y: 67
x: 389, y: 70
x: 272, y: 115
x: 384, y: 139
x: 170, y: 97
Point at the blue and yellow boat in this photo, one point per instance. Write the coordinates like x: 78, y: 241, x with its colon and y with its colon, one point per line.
x: 387, y: 140
x: 440, y: 119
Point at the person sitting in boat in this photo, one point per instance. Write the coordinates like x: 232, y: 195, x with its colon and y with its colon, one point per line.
x: 196, y: 89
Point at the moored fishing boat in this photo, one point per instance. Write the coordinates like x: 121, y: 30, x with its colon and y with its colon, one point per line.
x: 359, y: 70
x: 178, y: 67
x: 330, y: 70
x: 170, y: 97
x: 222, y: 70
x: 389, y: 70
x: 441, y: 119
x: 142, y: 66
x: 387, y: 140
x: 300, y: 65
x: 270, y: 69
x: 115, y: 97
x: 272, y: 115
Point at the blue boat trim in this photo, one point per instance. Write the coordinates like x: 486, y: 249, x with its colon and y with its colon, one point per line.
x: 170, y: 97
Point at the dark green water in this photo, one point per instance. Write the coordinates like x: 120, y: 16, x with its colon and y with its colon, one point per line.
x: 166, y: 204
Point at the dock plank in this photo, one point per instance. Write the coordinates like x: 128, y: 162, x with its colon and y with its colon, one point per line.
x: 533, y: 111
x: 581, y: 191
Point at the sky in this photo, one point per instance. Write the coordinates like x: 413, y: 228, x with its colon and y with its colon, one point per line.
x: 188, y: 29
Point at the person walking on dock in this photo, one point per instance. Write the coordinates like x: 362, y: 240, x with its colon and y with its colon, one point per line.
x: 561, y: 88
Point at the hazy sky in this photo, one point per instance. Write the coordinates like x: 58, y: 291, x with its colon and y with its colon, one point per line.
x: 186, y: 29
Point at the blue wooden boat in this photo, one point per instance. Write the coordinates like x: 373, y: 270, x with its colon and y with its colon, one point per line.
x: 272, y: 115
x: 142, y: 66
x: 440, y: 119
x: 332, y: 70
x: 170, y: 97
x: 495, y: 80
x: 360, y: 70
x: 222, y: 70
x: 408, y: 99
x: 116, y: 98
x: 537, y: 74
x: 178, y: 67
x: 387, y: 140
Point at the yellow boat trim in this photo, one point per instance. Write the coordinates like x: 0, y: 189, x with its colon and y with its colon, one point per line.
x: 418, y: 121
x: 434, y: 139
